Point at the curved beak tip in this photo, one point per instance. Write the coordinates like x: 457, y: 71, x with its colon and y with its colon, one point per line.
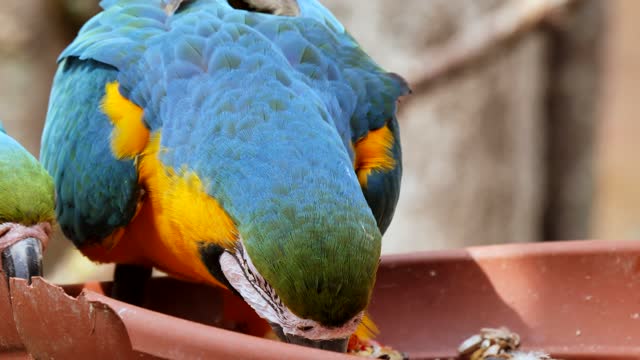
x: 23, y: 259
x: 337, y: 345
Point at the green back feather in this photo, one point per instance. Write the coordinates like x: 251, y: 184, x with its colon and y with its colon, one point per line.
x: 26, y: 189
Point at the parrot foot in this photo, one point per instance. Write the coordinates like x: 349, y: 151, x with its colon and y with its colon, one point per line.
x: 129, y: 282
x: 23, y: 259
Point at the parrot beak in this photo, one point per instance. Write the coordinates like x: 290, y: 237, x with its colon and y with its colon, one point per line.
x: 23, y: 259
x: 337, y: 345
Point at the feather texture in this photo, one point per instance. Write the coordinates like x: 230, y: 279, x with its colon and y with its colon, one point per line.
x: 96, y: 192
x: 26, y: 189
x: 263, y: 111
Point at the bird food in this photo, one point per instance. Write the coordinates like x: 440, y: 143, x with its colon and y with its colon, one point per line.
x: 374, y: 350
x: 496, y: 344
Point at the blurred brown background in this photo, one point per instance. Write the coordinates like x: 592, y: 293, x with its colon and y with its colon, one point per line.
x: 534, y: 140
x: 617, y: 207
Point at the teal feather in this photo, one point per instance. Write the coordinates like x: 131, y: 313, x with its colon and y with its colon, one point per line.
x: 97, y: 193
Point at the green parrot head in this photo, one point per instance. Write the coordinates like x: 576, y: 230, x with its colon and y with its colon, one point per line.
x: 315, y: 288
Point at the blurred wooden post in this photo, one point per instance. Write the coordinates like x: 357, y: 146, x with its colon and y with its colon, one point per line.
x: 30, y: 40
x: 575, y: 62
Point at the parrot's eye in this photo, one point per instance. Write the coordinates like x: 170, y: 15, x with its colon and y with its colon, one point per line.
x: 305, y: 328
x: 274, y: 7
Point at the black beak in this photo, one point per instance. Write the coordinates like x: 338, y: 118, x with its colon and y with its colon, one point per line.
x: 23, y: 259
x: 337, y: 345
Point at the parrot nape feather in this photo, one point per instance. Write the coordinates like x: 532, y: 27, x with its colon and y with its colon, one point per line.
x: 26, y: 188
x: 26, y: 209
x: 245, y: 143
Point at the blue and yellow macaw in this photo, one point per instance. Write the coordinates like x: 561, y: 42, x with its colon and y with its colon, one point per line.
x: 250, y: 144
x: 26, y: 209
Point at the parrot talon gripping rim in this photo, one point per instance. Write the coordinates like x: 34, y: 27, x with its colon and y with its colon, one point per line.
x: 23, y: 259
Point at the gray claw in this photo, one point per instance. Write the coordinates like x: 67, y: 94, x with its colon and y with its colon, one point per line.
x: 23, y: 259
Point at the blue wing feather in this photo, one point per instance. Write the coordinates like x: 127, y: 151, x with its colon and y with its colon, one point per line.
x: 158, y: 54
x: 96, y: 193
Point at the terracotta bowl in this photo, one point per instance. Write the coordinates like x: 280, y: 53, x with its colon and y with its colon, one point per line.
x: 576, y: 300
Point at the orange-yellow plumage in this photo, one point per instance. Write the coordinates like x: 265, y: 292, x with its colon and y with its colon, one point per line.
x: 367, y: 329
x: 373, y: 152
x: 175, y: 216
x: 130, y: 135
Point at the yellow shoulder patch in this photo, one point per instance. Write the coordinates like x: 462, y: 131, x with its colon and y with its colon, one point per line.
x: 176, y: 217
x: 184, y: 214
x: 201, y: 217
x: 130, y: 135
x: 373, y: 152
